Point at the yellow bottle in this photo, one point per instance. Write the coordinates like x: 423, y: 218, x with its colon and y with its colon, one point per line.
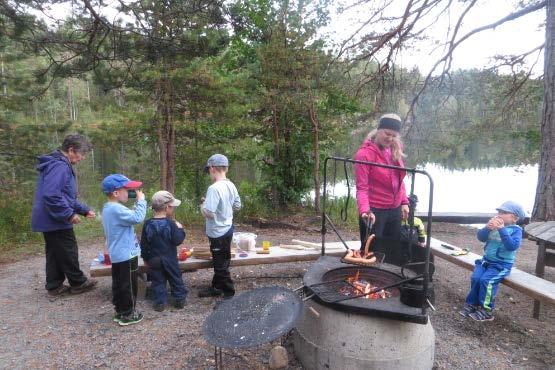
x: 266, y: 245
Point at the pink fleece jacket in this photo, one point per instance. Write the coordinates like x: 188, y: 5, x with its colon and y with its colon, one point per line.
x: 378, y: 187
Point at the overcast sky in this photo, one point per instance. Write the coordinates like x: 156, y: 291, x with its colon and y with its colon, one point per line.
x: 514, y: 37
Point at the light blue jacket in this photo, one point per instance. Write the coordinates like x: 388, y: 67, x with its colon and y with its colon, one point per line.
x: 501, y: 245
x: 118, y: 222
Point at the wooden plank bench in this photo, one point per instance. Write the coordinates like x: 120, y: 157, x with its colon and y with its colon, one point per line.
x: 277, y: 255
x: 531, y: 285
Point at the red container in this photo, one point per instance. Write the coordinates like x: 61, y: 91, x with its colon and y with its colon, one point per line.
x: 182, y: 255
x: 107, y: 259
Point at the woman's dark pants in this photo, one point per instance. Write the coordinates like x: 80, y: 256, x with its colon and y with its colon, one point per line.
x: 62, y: 259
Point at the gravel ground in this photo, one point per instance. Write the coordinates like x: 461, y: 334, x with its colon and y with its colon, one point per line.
x: 76, y: 332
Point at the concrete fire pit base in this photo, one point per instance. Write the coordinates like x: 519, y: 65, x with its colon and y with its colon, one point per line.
x: 331, y: 339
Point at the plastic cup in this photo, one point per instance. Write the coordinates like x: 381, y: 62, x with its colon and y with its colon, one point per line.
x: 266, y: 245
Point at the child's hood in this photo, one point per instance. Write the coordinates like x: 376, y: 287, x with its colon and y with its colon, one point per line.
x: 47, y: 160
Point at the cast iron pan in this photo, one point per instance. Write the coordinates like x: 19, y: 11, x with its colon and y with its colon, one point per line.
x: 253, y: 318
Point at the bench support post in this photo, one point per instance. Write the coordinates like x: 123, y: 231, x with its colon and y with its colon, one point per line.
x: 540, y: 270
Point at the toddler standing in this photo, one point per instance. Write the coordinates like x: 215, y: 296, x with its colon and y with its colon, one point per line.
x: 159, y: 240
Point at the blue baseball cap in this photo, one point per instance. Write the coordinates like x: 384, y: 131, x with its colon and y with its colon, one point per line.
x: 217, y: 160
x: 117, y: 181
x: 514, y: 208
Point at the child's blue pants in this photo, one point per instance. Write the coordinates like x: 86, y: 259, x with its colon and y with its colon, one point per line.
x: 162, y: 269
x: 484, y: 282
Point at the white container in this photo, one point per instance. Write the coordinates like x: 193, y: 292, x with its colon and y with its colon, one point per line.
x: 245, y: 241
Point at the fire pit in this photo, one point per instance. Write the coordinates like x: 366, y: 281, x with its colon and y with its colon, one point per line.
x: 367, y: 317
x: 343, y: 328
x: 328, y: 280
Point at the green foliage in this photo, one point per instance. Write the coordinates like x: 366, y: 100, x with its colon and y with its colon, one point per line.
x: 255, y: 201
x: 14, y: 220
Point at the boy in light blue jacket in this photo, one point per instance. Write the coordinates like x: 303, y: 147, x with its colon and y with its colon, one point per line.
x: 502, y: 237
x: 118, y: 222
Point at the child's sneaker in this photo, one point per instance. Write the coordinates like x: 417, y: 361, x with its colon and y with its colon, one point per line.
x: 159, y: 307
x: 481, y: 314
x: 467, y: 310
x: 117, y: 317
x: 180, y: 304
x: 130, y: 319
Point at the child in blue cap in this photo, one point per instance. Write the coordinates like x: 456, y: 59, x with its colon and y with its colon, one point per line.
x: 502, y: 236
x: 118, y: 222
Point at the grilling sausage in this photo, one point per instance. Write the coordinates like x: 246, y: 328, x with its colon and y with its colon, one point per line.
x: 367, y: 245
x: 354, y: 256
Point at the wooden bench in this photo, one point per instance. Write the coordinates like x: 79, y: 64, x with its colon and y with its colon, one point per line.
x: 531, y: 285
x: 543, y: 233
x: 277, y: 255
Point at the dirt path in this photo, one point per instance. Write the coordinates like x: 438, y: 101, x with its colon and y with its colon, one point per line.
x: 77, y: 331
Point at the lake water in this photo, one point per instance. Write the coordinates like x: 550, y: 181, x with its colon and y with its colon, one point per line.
x: 470, y: 190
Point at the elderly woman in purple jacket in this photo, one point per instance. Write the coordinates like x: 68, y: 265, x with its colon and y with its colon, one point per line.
x: 55, y: 210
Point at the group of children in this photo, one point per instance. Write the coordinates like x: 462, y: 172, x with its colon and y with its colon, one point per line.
x: 162, y: 234
x: 160, y: 237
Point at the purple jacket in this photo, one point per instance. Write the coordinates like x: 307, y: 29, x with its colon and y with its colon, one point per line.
x: 55, y: 195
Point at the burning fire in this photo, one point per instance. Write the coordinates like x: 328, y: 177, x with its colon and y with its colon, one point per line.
x: 363, y: 287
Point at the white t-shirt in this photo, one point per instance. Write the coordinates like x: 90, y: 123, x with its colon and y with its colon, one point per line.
x: 222, y: 198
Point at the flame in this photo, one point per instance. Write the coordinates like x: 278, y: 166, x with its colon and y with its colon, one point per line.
x: 364, y: 287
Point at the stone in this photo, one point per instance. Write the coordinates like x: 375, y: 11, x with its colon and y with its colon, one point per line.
x: 278, y: 358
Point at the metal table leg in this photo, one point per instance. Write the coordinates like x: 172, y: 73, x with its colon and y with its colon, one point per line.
x: 218, y: 358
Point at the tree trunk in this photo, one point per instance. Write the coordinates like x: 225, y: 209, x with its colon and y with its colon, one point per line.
x: 544, y: 207
x: 316, y: 155
x: 70, y: 104
x: 277, y: 155
x: 166, y: 136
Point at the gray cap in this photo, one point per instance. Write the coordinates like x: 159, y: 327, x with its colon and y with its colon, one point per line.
x: 164, y: 198
x: 217, y: 160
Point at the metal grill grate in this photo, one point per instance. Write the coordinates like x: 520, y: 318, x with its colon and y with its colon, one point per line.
x: 336, y: 291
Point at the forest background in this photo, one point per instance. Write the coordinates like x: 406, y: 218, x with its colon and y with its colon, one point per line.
x: 169, y: 83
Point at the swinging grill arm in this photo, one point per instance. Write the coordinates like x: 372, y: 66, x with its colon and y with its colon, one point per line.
x: 413, y: 171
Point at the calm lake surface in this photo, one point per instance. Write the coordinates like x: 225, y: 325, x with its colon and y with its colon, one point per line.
x: 471, y: 190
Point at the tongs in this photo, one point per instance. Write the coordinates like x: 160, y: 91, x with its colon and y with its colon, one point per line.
x: 379, y: 257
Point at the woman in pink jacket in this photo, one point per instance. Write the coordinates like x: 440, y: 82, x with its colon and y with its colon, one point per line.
x: 381, y: 194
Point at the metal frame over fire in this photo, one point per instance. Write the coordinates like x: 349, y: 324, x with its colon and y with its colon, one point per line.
x: 328, y: 275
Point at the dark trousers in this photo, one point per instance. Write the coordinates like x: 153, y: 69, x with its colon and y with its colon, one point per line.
x: 387, y: 225
x: 124, y: 285
x: 62, y: 259
x: 162, y: 270
x: 221, y: 258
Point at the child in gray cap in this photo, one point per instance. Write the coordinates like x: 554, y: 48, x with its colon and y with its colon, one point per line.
x: 222, y: 198
x: 159, y: 240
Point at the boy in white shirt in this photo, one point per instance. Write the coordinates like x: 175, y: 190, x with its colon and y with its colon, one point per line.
x: 222, y: 198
